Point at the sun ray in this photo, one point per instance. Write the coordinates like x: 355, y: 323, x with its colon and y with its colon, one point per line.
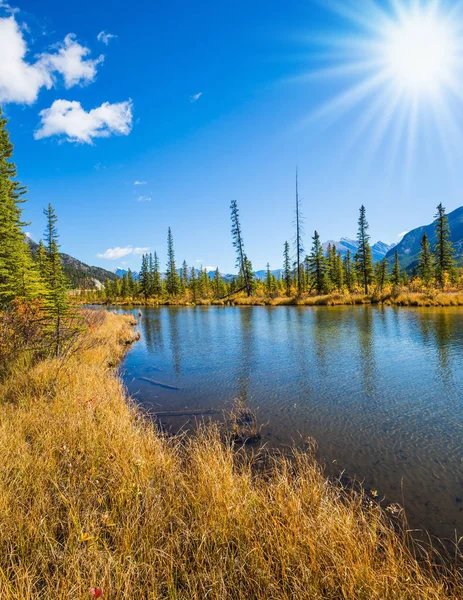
x: 404, y: 58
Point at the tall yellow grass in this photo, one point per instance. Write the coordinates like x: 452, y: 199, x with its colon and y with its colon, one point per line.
x: 91, y: 495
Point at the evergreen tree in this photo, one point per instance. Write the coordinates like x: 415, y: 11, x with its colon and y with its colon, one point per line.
x: 338, y: 272
x: 381, y: 274
x: 144, y: 277
x: 443, y: 249
x: 349, y: 272
x: 395, y: 275
x: 425, y: 262
x: 287, y: 269
x: 125, y: 292
x: 172, y: 277
x: 56, y: 298
x: 184, y: 275
x: 363, y: 256
x: 130, y: 284
x: 156, y: 278
x: 18, y: 275
x: 242, y: 262
x: 317, y: 264
x: 219, y: 286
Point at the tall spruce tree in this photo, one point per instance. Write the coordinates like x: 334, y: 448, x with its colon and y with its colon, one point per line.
x: 56, y: 297
x: 242, y: 262
x: 444, y: 262
x: 18, y: 273
x: 172, y: 276
x: 363, y: 256
x: 317, y: 264
x: 381, y: 274
x: 144, y: 277
x: 184, y: 275
x: 425, y: 261
x: 156, y: 277
x: 287, y: 269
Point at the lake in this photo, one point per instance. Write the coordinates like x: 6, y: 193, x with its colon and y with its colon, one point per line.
x: 379, y: 389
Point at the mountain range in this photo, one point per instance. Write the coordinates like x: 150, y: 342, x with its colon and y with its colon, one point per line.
x: 378, y: 250
x: 409, y: 246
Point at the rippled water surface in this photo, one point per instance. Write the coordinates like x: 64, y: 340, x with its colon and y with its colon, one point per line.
x: 380, y: 389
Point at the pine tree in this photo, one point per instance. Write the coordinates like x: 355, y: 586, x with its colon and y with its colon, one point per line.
x: 130, y: 283
x: 349, y: 272
x: 338, y: 272
x: 156, y: 278
x: 242, y: 262
x: 317, y: 264
x: 172, y: 277
x: 443, y: 249
x: 56, y: 298
x: 395, y: 275
x: 218, y: 284
x: 18, y: 274
x: 381, y: 274
x: 184, y: 275
x: 363, y: 256
x: 425, y: 261
x: 287, y: 269
x: 193, y: 285
x: 125, y: 292
x: 144, y: 277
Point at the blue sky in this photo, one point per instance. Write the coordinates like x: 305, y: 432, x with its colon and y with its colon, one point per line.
x: 256, y: 66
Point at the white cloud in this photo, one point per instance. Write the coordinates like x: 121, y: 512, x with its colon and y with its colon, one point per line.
x: 208, y: 268
x: 195, y: 97
x: 105, y: 37
x: 144, y: 199
x: 69, y: 119
x: 117, y: 252
x: 70, y: 62
x: 140, y: 182
x: 199, y: 260
x: 21, y: 80
x: 401, y: 235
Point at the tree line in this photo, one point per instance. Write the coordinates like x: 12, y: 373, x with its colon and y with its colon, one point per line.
x: 317, y: 272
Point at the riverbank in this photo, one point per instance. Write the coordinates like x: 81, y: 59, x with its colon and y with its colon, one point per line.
x: 405, y: 298
x: 92, y: 496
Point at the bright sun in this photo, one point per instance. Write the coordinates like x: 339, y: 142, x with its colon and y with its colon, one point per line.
x: 400, y: 66
x: 420, y: 52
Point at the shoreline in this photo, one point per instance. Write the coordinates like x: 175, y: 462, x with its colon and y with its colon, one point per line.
x: 113, y: 503
x: 405, y: 299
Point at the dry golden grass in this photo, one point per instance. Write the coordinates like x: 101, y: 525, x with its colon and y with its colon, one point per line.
x: 401, y: 298
x: 92, y: 496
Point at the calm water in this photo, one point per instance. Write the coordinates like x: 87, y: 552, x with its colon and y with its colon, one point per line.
x: 381, y: 390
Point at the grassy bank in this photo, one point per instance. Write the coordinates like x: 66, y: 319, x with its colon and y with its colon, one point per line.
x: 402, y: 298
x: 92, y: 496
